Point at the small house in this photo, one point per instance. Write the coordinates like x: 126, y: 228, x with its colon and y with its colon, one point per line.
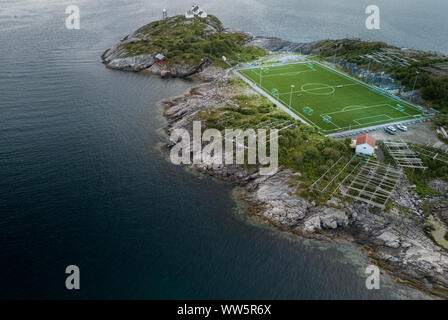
x: 160, y: 58
x: 195, y: 11
x: 195, y: 8
x: 365, y: 145
x: 202, y: 14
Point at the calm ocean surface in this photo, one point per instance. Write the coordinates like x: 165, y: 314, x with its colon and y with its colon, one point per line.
x: 83, y: 180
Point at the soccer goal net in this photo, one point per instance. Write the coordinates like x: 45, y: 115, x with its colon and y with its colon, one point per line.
x: 308, y: 111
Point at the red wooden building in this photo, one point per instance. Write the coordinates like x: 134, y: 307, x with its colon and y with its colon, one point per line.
x: 161, y: 58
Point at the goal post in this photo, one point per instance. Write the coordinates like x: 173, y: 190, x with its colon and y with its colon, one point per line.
x: 326, y: 118
x: 400, y: 107
x: 308, y: 111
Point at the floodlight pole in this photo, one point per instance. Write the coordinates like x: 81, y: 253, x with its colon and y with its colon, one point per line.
x: 290, y: 97
x: 335, y: 51
x: 260, y: 77
x: 368, y: 70
x: 381, y: 80
x: 415, y: 82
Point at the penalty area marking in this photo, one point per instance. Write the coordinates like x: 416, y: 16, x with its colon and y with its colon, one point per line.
x: 293, y: 73
x: 383, y: 117
x: 358, y: 107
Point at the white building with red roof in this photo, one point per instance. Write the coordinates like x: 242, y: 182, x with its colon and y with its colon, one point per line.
x: 365, y: 145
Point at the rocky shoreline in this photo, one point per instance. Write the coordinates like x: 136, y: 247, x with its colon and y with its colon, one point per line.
x: 395, y: 241
x: 115, y: 58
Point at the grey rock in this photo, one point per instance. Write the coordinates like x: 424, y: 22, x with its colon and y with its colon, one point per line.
x: 439, y: 185
x: 209, y: 31
x: 326, y: 218
x: 135, y: 63
x: 390, y: 239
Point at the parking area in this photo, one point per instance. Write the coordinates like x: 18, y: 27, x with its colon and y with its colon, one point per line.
x: 420, y: 133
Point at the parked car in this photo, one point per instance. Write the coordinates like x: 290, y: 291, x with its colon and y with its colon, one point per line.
x: 391, y: 130
x: 402, y: 127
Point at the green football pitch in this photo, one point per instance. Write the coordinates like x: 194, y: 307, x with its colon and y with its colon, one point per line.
x: 328, y: 99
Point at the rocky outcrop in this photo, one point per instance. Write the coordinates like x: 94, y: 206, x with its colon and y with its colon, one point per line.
x: 439, y: 185
x: 278, y: 45
x: 117, y: 58
x: 390, y: 239
x: 276, y: 199
x: 136, y: 52
x: 398, y: 240
x: 326, y: 218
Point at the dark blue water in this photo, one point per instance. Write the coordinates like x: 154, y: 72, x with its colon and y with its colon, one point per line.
x: 83, y: 181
